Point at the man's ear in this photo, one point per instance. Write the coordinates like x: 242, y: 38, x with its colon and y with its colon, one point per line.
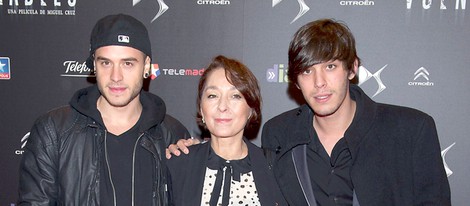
x: 147, y: 65
x: 353, y: 72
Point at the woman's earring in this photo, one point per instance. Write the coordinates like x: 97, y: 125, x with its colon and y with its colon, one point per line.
x: 203, y: 121
x: 146, y: 75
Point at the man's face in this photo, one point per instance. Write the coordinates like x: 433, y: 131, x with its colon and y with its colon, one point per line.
x: 119, y: 74
x: 325, y: 87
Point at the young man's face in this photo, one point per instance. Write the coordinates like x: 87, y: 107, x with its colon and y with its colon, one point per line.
x: 119, y: 74
x: 325, y: 87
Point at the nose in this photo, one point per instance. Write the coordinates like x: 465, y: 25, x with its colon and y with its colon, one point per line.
x: 319, y: 79
x: 116, y: 74
x: 223, y: 105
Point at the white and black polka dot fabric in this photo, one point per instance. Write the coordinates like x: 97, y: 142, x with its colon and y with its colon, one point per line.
x: 242, y: 193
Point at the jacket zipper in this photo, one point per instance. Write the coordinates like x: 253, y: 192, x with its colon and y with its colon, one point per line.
x: 107, y: 165
x: 133, y: 167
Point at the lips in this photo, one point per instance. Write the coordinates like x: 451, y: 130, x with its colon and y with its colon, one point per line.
x: 322, y: 97
x: 222, y: 120
x: 117, y: 90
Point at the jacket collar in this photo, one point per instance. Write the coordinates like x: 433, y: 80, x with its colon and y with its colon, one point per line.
x: 364, y: 119
x: 153, y: 107
x: 301, y: 129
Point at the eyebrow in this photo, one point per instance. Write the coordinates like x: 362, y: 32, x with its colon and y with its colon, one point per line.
x: 215, y: 88
x: 130, y: 59
x: 101, y: 58
x: 125, y: 59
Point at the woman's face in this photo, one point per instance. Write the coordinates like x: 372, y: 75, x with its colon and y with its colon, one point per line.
x: 223, y: 107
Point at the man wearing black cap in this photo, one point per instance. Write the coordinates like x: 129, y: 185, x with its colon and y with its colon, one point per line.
x: 106, y: 146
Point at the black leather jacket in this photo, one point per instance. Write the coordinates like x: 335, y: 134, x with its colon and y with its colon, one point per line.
x: 61, y: 162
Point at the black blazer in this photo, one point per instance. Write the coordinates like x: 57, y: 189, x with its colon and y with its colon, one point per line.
x: 395, y: 153
x: 188, y: 172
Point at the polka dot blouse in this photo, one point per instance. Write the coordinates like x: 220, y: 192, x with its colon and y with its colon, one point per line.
x: 242, y: 185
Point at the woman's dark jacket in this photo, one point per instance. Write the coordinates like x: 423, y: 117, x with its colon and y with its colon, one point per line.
x: 395, y: 153
x: 188, y: 173
x: 61, y: 162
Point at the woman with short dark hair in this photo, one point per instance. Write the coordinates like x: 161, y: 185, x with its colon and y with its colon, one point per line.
x: 228, y: 169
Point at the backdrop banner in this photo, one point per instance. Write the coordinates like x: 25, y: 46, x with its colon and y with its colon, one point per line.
x: 414, y: 54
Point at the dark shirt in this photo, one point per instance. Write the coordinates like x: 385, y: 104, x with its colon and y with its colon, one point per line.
x: 120, y: 157
x: 331, y: 180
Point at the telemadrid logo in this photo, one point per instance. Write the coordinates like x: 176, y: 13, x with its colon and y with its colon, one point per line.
x: 365, y: 75
x: 162, y: 7
x: 155, y: 70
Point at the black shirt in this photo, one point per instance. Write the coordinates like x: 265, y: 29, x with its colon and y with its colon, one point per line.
x: 331, y: 180
x: 120, y: 150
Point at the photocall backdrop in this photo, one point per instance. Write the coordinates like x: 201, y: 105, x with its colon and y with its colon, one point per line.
x: 415, y: 53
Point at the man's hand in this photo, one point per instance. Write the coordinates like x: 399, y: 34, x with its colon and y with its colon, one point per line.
x: 182, y: 145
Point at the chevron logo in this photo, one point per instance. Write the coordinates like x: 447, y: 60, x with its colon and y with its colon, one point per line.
x: 422, y: 72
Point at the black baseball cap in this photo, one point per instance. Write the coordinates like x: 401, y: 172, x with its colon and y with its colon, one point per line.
x: 119, y: 29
